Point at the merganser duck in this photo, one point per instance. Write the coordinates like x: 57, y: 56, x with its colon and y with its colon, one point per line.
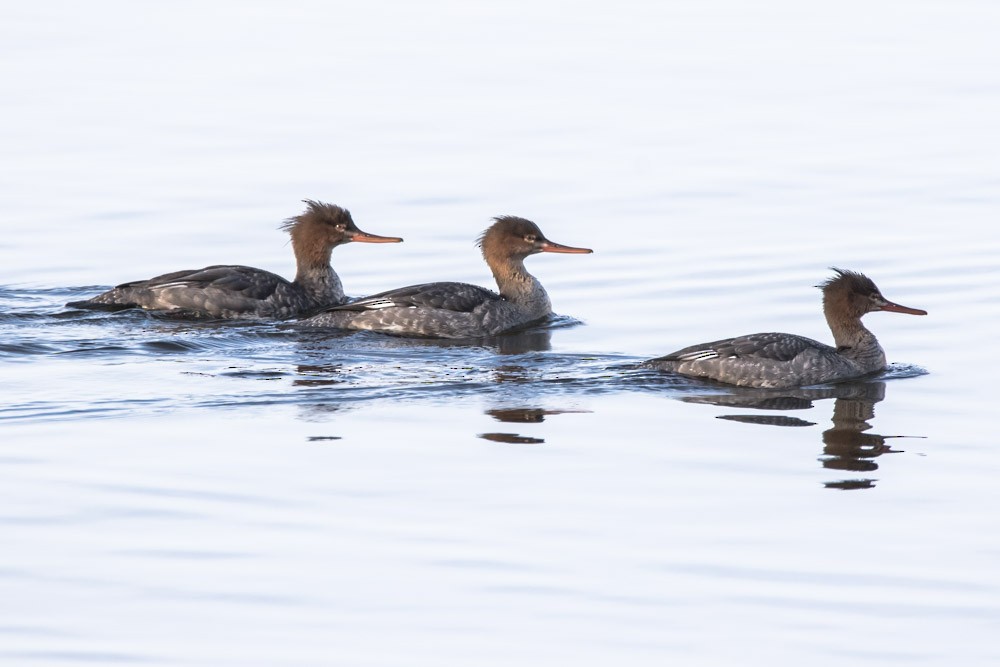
x: 460, y: 310
x: 228, y: 291
x: 779, y: 360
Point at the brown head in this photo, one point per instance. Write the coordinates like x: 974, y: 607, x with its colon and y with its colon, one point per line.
x: 510, y: 237
x: 849, y: 295
x: 322, y: 227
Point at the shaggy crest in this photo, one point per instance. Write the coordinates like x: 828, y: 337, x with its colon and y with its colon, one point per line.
x: 849, y: 281
x: 330, y: 214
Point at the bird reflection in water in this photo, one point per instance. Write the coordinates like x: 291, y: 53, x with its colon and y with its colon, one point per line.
x: 521, y: 416
x: 318, y: 375
x: 532, y: 340
x: 535, y: 339
x: 338, y: 371
x: 511, y: 438
x: 846, y: 446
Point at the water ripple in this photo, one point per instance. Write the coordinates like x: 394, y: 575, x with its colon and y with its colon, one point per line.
x: 240, y: 364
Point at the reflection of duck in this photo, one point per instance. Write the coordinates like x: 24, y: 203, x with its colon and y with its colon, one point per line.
x: 778, y: 360
x: 526, y: 415
x: 846, y: 446
x: 318, y: 375
x: 799, y: 398
x: 459, y: 310
x: 520, y: 416
x: 512, y: 438
x: 520, y: 342
x: 229, y: 291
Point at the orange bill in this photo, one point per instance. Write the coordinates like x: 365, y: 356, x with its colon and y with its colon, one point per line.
x: 549, y: 246
x: 365, y: 237
x: 896, y: 308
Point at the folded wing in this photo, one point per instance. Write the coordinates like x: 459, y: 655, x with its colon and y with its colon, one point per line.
x: 457, y: 297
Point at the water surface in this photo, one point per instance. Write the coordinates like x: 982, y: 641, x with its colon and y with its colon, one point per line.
x: 233, y: 493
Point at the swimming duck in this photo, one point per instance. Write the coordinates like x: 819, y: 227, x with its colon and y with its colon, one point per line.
x: 232, y: 291
x: 779, y: 360
x: 460, y: 310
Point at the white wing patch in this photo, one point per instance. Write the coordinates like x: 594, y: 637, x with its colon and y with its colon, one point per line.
x: 169, y: 286
x: 379, y: 304
x: 699, y: 355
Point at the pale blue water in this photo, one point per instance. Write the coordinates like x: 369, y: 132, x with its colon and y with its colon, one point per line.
x: 250, y: 494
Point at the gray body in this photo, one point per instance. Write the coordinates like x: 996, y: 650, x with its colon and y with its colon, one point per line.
x: 226, y: 291
x: 774, y: 361
x: 460, y: 310
x: 440, y: 310
x: 234, y: 291
x: 781, y: 360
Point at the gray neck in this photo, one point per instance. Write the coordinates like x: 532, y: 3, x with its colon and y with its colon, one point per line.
x: 519, y: 286
x: 856, y: 342
x: 320, y: 282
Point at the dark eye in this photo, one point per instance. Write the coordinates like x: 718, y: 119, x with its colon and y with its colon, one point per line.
x: 530, y: 238
x: 340, y: 227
